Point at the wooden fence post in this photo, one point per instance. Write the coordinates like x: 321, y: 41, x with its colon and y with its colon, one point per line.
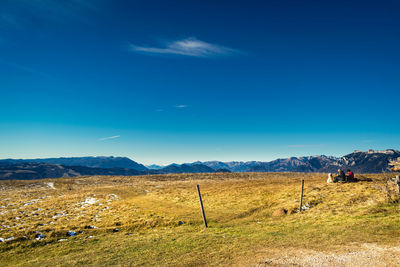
x: 201, y: 205
x: 301, y: 196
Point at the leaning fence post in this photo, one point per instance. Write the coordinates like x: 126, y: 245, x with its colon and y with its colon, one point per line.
x: 301, y: 196
x: 201, y: 205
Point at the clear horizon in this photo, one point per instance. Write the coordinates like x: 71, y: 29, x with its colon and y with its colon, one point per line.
x: 174, y: 82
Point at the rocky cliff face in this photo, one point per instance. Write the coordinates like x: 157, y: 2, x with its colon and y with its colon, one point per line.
x: 302, y: 164
x: 371, y: 161
x: 365, y: 162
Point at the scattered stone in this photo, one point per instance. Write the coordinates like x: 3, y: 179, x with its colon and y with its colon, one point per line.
x: 90, y: 236
x: 181, y: 222
x: 1, y: 239
x: 118, y: 224
x: 112, y: 197
x: 51, y: 185
x: 59, y: 215
x: 71, y: 233
x: 9, y: 239
x: 40, y: 236
x: 62, y: 240
x: 91, y: 227
x: 89, y: 201
x: 115, y: 230
x: 306, y: 207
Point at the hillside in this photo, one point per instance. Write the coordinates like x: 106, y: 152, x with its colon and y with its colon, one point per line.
x: 302, y: 164
x: 360, y: 162
x: 370, y: 161
x: 156, y: 221
x: 233, y: 166
x: 34, y: 170
x: 186, y: 168
x: 93, y: 162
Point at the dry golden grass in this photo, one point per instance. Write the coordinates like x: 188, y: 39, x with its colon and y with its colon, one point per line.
x: 244, y: 211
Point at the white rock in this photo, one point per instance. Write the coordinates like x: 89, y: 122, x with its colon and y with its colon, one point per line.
x: 89, y: 201
x: 51, y: 185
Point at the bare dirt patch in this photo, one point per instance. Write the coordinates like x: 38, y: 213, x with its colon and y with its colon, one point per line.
x: 355, y: 256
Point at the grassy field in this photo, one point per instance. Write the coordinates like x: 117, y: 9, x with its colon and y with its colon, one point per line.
x: 156, y: 220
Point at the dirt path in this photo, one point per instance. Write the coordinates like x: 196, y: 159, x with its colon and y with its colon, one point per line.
x: 364, y: 255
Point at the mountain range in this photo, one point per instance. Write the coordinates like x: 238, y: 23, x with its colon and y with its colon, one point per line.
x: 93, y: 162
x: 38, y: 170
x: 371, y: 161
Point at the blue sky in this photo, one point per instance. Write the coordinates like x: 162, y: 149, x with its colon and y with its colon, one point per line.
x: 180, y: 81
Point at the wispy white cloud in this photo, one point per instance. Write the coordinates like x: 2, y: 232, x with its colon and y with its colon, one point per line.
x: 181, y: 106
x: 110, y: 137
x: 187, y: 47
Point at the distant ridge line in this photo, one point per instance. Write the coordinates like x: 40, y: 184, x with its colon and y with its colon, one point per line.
x: 371, y: 161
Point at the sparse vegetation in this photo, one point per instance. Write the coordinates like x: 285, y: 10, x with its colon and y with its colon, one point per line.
x: 395, y: 165
x: 159, y: 221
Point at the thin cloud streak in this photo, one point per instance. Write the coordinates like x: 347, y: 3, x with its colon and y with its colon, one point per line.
x: 187, y: 47
x: 181, y: 106
x: 110, y: 137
